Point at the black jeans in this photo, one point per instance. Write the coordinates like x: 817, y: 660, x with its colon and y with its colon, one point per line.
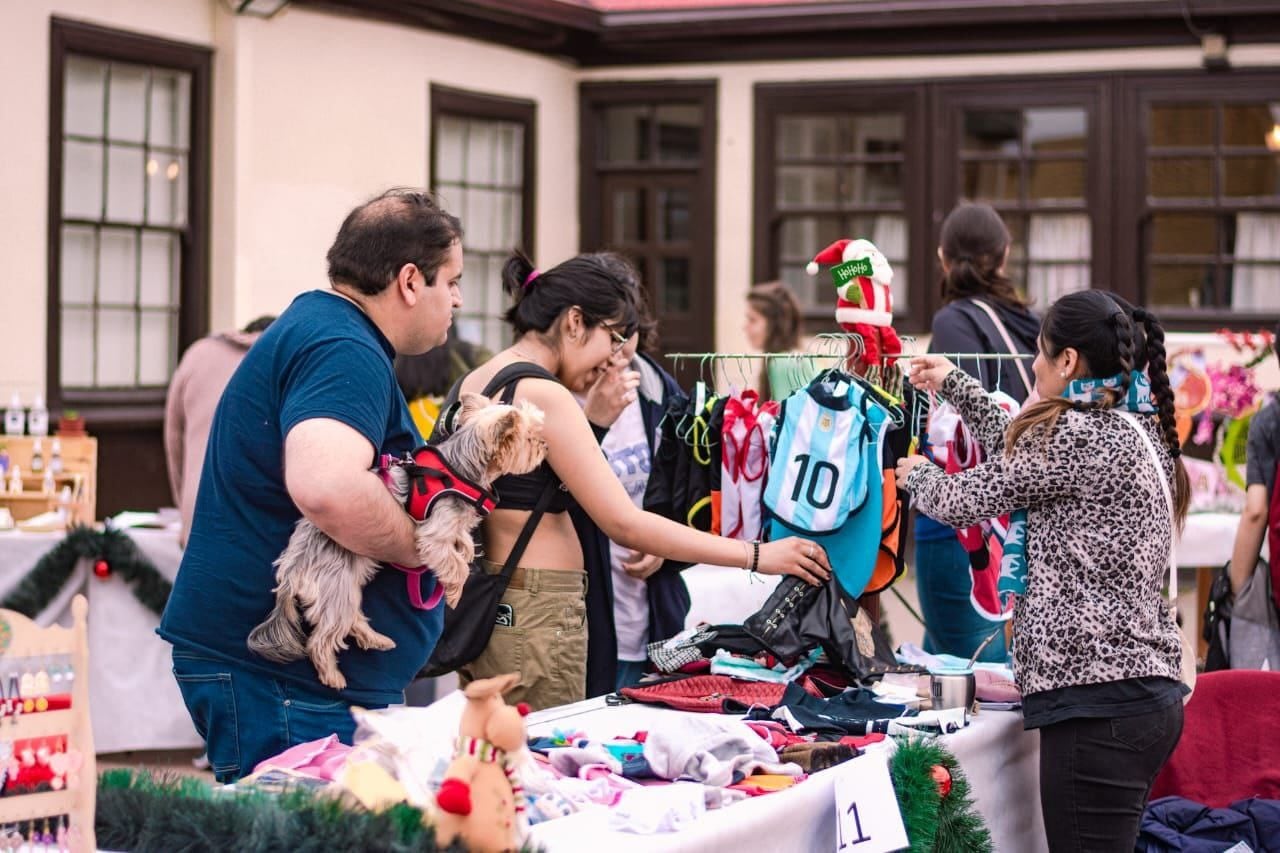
x: 1095, y: 775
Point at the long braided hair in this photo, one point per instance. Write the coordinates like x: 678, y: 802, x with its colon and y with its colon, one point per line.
x: 1136, y: 342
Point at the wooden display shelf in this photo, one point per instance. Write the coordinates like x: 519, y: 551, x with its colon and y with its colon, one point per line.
x: 79, y: 471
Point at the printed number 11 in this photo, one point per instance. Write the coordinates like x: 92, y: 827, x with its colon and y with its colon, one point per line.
x: 857, y: 823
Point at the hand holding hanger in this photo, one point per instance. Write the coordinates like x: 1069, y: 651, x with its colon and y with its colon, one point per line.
x: 907, y: 464
x: 612, y: 392
x: 926, y: 372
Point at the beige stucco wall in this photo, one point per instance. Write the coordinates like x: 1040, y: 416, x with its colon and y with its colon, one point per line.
x: 316, y: 112
x: 24, y: 156
x: 312, y: 113
x: 735, y: 149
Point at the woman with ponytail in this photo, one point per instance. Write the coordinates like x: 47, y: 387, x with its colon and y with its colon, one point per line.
x: 1097, y: 654
x: 981, y: 313
x: 572, y: 324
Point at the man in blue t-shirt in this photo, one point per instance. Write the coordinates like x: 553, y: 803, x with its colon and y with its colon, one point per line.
x: 298, y: 428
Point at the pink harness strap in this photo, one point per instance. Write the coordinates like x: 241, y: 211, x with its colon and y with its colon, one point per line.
x: 412, y: 576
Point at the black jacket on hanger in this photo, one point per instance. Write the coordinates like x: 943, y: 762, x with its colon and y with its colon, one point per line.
x: 668, y: 596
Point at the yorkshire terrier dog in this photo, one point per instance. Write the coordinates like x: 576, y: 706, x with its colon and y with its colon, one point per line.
x: 449, y: 482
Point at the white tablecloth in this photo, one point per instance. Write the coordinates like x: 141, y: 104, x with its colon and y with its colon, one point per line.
x: 1207, y: 539
x: 134, y: 702
x: 1000, y: 760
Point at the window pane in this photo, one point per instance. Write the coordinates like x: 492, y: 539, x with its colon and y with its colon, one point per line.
x: 156, y: 341
x: 166, y: 189
x: 673, y: 210
x: 1254, y: 287
x: 1179, y: 178
x: 991, y: 181
x: 807, y: 186
x: 117, y: 267
x: 482, y: 152
x: 84, y: 96
x: 1053, y: 131
x: 170, y: 108
x: 993, y: 131
x: 1180, y: 124
x: 679, y: 132
x: 125, y: 168
x: 77, y: 260
x: 117, y: 354
x: 510, y: 144
x: 876, y: 183
x: 626, y: 134
x: 1183, y: 234
x: 629, y: 217
x: 159, y: 285
x: 481, y: 223
x: 807, y: 136
x: 1181, y: 285
x: 1249, y: 124
x: 1060, y: 237
x: 510, y: 214
x: 453, y: 198
x: 82, y: 180
x: 804, y: 236
x: 1056, y: 180
x: 1017, y: 225
x: 1251, y: 177
x: 450, y: 150
x: 127, y: 103
x: 675, y: 285
x: 876, y: 133
x: 1046, y: 283
x: 75, y: 344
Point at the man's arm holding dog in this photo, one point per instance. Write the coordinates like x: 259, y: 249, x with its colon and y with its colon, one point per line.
x: 326, y: 473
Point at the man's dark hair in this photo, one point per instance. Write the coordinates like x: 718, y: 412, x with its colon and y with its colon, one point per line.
x: 401, y: 226
x: 259, y: 324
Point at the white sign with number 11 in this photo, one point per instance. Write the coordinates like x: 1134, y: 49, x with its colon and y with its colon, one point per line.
x: 867, y: 808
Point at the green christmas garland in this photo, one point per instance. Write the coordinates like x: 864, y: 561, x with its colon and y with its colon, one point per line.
x: 140, y: 812
x: 935, y: 823
x: 112, y: 547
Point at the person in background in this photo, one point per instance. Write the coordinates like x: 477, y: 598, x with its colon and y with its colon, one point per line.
x: 1262, y: 455
x: 570, y: 321
x: 633, y: 598
x: 426, y: 379
x: 772, y: 325
x: 194, y: 391
x: 973, y: 252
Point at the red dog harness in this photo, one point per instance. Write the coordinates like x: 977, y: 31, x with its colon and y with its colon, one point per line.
x: 431, y: 478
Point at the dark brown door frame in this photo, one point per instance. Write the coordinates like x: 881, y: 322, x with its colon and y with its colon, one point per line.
x: 776, y: 99
x: 948, y: 102
x: 1135, y: 93
x: 593, y: 97
x: 142, y: 405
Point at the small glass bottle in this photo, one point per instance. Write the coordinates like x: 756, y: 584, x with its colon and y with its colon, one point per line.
x: 37, y: 457
x: 15, y: 419
x: 47, y: 484
x: 15, y: 480
x: 38, y: 417
x: 55, y: 457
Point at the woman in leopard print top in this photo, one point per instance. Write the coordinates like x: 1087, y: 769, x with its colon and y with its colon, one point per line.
x: 1096, y: 651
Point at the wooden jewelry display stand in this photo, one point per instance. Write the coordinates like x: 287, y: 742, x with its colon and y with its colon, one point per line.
x: 24, y: 647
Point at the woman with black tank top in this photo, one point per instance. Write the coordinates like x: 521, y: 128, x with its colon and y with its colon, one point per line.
x: 571, y: 322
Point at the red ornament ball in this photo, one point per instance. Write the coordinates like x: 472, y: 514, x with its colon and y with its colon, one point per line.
x: 102, y: 569
x: 941, y: 778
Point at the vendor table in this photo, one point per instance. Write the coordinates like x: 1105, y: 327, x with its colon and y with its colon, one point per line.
x: 133, y: 700
x: 999, y: 758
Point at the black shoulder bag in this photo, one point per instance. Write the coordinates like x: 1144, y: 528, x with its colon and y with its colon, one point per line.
x: 468, y: 627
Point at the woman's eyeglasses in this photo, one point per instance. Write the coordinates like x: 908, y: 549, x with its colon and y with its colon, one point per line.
x: 619, y: 339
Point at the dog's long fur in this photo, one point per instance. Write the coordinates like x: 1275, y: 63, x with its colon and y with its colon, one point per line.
x: 317, y: 577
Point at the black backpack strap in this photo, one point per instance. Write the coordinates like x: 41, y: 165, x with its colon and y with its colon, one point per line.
x: 505, y: 378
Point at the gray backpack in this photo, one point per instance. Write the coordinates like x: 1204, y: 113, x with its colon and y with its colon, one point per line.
x: 1255, y: 624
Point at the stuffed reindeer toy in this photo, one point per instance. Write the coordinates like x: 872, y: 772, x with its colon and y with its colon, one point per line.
x: 445, y: 487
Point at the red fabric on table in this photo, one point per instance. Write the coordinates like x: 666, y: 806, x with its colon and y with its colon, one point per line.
x: 1228, y: 751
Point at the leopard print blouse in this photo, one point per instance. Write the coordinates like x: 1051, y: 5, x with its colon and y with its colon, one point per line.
x: 1098, y: 539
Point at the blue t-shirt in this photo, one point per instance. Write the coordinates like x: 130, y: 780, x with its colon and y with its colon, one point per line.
x: 323, y: 358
